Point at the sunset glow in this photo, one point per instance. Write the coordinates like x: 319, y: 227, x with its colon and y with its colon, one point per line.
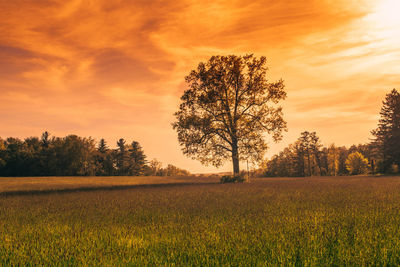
x: 116, y: 68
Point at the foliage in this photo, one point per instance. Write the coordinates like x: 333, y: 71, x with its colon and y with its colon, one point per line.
x: 70, y: 156
x: 154, y: 167
x: 356, y: 163
x: 387, y: 135
x: 309, y: 146
x: 332, y: 159
x: 269, y: 222
x: 172, y: 170
x: 307, y: 157
x: 227, y: 109
x: 232, y: 179
x: 303, y: 158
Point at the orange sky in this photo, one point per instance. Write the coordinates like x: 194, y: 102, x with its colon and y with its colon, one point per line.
x: 116, y: 68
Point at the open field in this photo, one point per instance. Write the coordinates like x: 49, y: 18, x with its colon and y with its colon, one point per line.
x: 283, y: 221
x: 29, y: 185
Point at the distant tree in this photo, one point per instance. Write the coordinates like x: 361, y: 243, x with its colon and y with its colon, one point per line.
x: 387, y: 135
x: 104, y: 159
x: 155, y: 167
x: 289, y: 162
x: 2, y: 144
x: 309, y: 146
x: 47, y: 157
x: 298, y: 160
x: 305, y: 147
x: 45, y: 139
x: 333, y: 160
x: 122, y: 158
x: 32, y: 150
x: 137, y: 159
x: 343, y: 153
x: 356, y: 163
x: 315, y: 146
x: 227, y: 109
x: 75, y: 155
x: 2, y: 155
x: 172, y: 170
x: 102, y: 147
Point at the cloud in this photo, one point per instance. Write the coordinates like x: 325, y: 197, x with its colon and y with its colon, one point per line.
x: 116, y: 68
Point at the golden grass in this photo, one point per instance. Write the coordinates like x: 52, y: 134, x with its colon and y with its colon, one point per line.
x: 26, y: 184
x: 317, y: 221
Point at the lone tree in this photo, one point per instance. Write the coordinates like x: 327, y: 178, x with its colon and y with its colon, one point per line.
x: 226, y: 110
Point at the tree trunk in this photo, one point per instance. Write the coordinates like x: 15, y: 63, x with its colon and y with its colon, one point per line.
x: 318, y: 161
x: 235, y: 160
x: 309, y: 162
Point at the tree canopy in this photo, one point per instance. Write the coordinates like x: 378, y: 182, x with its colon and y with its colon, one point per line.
x: 75, y: 156
x: 228, y: 107
x: 356, y: 163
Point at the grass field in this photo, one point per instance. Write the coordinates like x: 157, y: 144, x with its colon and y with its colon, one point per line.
x: 284, y: 221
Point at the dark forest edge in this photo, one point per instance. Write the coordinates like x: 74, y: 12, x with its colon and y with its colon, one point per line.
x: 77, y: 156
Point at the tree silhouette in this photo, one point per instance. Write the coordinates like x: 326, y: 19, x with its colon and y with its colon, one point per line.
x: 137, y: 159
x: 387, y: 135
x: 227, y: 109
x: 102, y: 147
x: 122, y: 157
x: 69, y: 156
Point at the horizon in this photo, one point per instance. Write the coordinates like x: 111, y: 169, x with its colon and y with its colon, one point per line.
x: 117, y: 71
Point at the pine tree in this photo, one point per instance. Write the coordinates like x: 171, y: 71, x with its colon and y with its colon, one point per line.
x: 137, y: 159
x: 122, y: 158
x: 102, y: 148
x: 104, y: 159
x: 387, y: 135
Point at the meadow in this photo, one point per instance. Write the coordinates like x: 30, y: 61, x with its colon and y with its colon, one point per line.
x: 318, y: 221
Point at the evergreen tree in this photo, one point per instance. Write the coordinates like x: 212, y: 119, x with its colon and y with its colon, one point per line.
x: 137, y: 159
x: 121, y: 157
x: 104, y: 159
x: 387, y: 135
x: 102, y: 147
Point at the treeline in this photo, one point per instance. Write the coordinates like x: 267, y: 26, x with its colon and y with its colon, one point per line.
x: 77, y: 156
x: 308, y: 157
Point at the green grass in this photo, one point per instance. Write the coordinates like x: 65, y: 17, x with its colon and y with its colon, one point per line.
x: 292, y: 222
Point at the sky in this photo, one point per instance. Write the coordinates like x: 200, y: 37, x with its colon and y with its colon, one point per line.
x: 112, y: 69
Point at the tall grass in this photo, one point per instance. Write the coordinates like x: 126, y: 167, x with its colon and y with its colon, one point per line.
x: 294, y: 222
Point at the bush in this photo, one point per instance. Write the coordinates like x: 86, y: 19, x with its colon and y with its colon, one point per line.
x: 232, y: 179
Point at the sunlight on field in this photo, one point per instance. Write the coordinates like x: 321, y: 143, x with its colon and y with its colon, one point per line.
x: 315, y: 221
x: 27, y: 184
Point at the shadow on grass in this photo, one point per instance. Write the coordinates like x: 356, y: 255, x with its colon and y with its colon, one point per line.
x: 96, y: 188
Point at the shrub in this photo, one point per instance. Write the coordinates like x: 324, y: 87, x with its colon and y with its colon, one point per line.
x: 232, y: 179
